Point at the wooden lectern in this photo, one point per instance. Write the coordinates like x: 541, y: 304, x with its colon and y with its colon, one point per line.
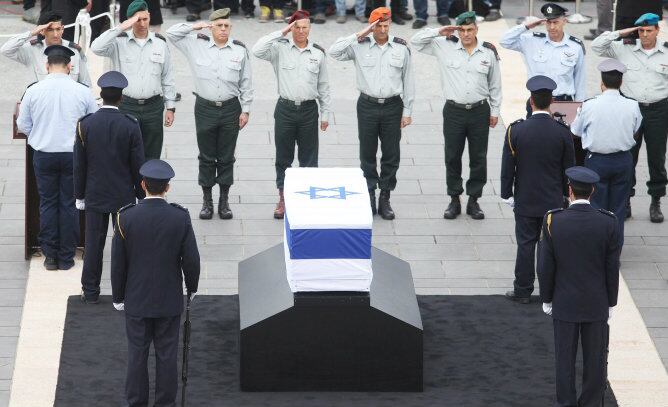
x: 565, y: 112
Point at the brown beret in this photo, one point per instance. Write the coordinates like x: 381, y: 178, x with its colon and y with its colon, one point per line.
x: 220, y: 13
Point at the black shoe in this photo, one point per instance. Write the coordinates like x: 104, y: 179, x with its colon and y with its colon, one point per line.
x: 224, y: 211
x: 86, y: 300
x: 384, y: 208
x: 192, y: 17
x: 590, y: 37
x: 593, y: 30
x: 207, y: 204
x: 397, y: 20
x: 454, y: 209
x: 655, y: 214
x: 628, y: 208
x: 178, y: 97
x: 473, y: 209
x: 372, y: 199
x: 443, y: 20
x: 417, y: 24
x: 513, y: 297
x: 493, y: 15
x: 50, y: 263
x: 65, y: 265
x: 405, y: 15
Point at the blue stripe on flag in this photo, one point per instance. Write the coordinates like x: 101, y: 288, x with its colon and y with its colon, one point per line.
x: 328, y: 243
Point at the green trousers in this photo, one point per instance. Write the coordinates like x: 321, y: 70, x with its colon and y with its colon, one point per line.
x: 295, y: 125
x: 217, y: 131
x: 459, y: 126
x: 376, y: 121
x: 655, y: 132
x: 150, y: 120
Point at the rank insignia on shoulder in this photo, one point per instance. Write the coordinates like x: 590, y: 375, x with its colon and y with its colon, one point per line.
x: 364, y: 39
x: 126, y: 207
x: 204, y: 37
x: 579, y: 41
x: 517, y: 121
x: 131, y: 117
x: 76, y: 46
x: 239, y: 43
x: 603, y: 211
x: 539, y: 34
x: 491, y: 46
x: 158, y: 35
x: 123, y: 34
x: 453, y: 38
x: 318, y: 47
x: 665, y: 44
x: 178, y: 206
x: 399, y: 41
x: 35, y: 41
x: 629, y: 41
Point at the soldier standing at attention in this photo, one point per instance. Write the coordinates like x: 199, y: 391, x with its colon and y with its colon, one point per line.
x: 387, y: 90
x: 28, y: 48
x: 221, y: 70
x: 301, y: 73
x: 471, y: 83
x: 143, y: 57
x: 107, y: 155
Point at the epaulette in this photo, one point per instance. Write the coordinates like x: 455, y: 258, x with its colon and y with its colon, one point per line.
x: 555, y: 210
x: 629, y: 41
x: 400, y: 41
x: 588, y: 99
x: 516, y: 121
x: 316, y: 46
x: 131, y: 117
x: 548, y: 219
x: 130, y: 205
x: 603, y: 211
x: 493, y: 48
x: 201, y: 36
x: 579, y: 41
x: 158, y: 35
x: 364, y: 39
x: 31, y: 84
x: 74, y: 45
x: 178, y: 206
x: 453, y: 38
x: 79, y: 132
x: 665, y: 44
x: 35, y: 41
x: 84, y: 116
x: 510, y: 141
x: 118, y: 219
x: 283, y: 39
x: 539, y: 34
x: 241, y: 44
x: 123, y: 34
x: 563, y: 123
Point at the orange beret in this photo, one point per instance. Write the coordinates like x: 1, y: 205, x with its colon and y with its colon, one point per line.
x: 381, y: 13
x: 299, y: 15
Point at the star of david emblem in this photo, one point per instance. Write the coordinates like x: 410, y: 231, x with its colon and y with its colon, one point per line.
x: 327, y: 193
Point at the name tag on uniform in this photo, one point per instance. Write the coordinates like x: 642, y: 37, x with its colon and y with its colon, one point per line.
x: 158, y: 58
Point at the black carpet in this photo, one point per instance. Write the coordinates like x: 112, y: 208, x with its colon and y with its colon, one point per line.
x: 478, y: 351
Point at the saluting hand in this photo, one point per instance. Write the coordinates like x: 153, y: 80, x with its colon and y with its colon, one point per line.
x: 40, y: 29
x: 448, y: 30
x: 287, y: 29
x: 324, y: 125
x: 127, y: 24
x: 625, y: 32
x: 405, y: 121
x: 169, y: 118
x: 243, y: 119
x: 534, y: 22
x: 493, y: 120
x: 200, y: 25
x: 367, y: 30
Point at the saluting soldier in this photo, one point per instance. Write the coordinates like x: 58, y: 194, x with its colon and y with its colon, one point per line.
x: 578, y: 273
x: 645, y: 80
x: 301, y: 73
x: 536, y: 152
x: 471, y: 83
x: 555, y: 54
x: 28, y: 48
x: 224, y: 92
x: 387, y: 90
x: 607, y: 124
x: 107, y: 155
x: 144, y: 58
x: 153, y: 251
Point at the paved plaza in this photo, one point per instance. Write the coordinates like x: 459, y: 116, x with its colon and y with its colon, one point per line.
x: 460, y: 257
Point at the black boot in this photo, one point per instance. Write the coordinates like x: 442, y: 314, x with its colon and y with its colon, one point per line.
x: 655, y: 214
x: 224, y: 210
x: 454, y: 209
x: 372, y: 199
x: 628, y: 208
x: 384, y: 208
x: 473, y: 209
x: 207, y: 204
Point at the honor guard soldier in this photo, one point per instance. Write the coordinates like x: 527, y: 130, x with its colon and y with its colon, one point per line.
x: 301, y: 73
x: 645, y: 80
x: 578, y: 273
x: 387, y: 90
x: 555, y: 54
x: 471, y: 83
x: 224, y: 91
x: 28, y: 48
x: 143, y: 57
x: 48, y: 115
x: 536, y: 152
x: 607, y: 124
x: 153, y: 251
x: 107, y: 155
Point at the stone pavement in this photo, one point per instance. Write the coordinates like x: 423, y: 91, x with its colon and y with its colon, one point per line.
x: 461, y: 257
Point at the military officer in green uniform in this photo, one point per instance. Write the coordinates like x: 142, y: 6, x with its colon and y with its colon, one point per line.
x: 144, y: 58
x: 221, y: 71
x: 384, y: 75
x: 471, y: 80
x: 301, y: 73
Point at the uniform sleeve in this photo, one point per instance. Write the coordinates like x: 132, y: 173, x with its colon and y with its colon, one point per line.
x: 265, y: 49
x: 324, y: 96
x: 246, y: 91
x: 514, y: 38
x: 578, y: 125
x: 605, y: 45
x: 105, y: 45
x: 612, y: 264
x: 80, y: 164
x: 24, y: 120
x: 342, y: 49
x: 168, y: 86
x: 119, y: 266
x: 580, y: 76
x: 508, y: 165
x: 547, y: 264
x: 190, y: 262
x: 567, y: 160
x: 423, y: 41
x: 409, y: 85
x: 178, y: 35
x: 84, y: 75
x: 136, y: 159
x: 494, y: 85
x: 14, y: 49
x: 638, y: 117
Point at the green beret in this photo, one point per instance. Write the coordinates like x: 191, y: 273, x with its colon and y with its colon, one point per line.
x: 466, y: 18
x: 220, y: 13
x: 135, y: 6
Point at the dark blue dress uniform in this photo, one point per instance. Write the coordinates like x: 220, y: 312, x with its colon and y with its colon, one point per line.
x: 578, y: 273
x: 108, y: 152
x: 153, y: 251
x: 536, y: 153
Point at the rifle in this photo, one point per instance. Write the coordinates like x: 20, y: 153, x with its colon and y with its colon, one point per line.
x: 605, y: 366
x: 186, y: 351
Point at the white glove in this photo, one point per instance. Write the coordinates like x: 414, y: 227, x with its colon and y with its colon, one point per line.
x: 119, y: 306
x: 510, y: 201
x: 192, y: 296
x: 80, y: 204
x: 610, y: 313
x: 547, y: 308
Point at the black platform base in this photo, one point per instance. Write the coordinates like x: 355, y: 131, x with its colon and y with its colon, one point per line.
x: 333, y: 341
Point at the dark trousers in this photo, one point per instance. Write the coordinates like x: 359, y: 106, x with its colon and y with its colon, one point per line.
x: 594, y: 337
x: 612, y: 191
x: 164, y: 333
x: 96, y: 235
x: 149, y: 116
x: 395, y: 6
x: 58, y: 217
x: 654, y: 130
x: 295, y: 125
x: 275, y: 4
x: 28, y: 4
x: 527, y: 233
x: 459, y: 126
x: 217, y: 131
x: 376, y: 121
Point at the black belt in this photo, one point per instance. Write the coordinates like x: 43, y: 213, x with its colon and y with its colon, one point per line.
x: 466, y: 106
x: 616, y: 153
x: 295, y: 102
x: 128, y: 99
x: 380, y: 101
x: 563, y: 98
x: 660, y: 102
x: 215, y: 103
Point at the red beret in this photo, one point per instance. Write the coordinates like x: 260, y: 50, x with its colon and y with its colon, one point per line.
x: 299, y: 15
